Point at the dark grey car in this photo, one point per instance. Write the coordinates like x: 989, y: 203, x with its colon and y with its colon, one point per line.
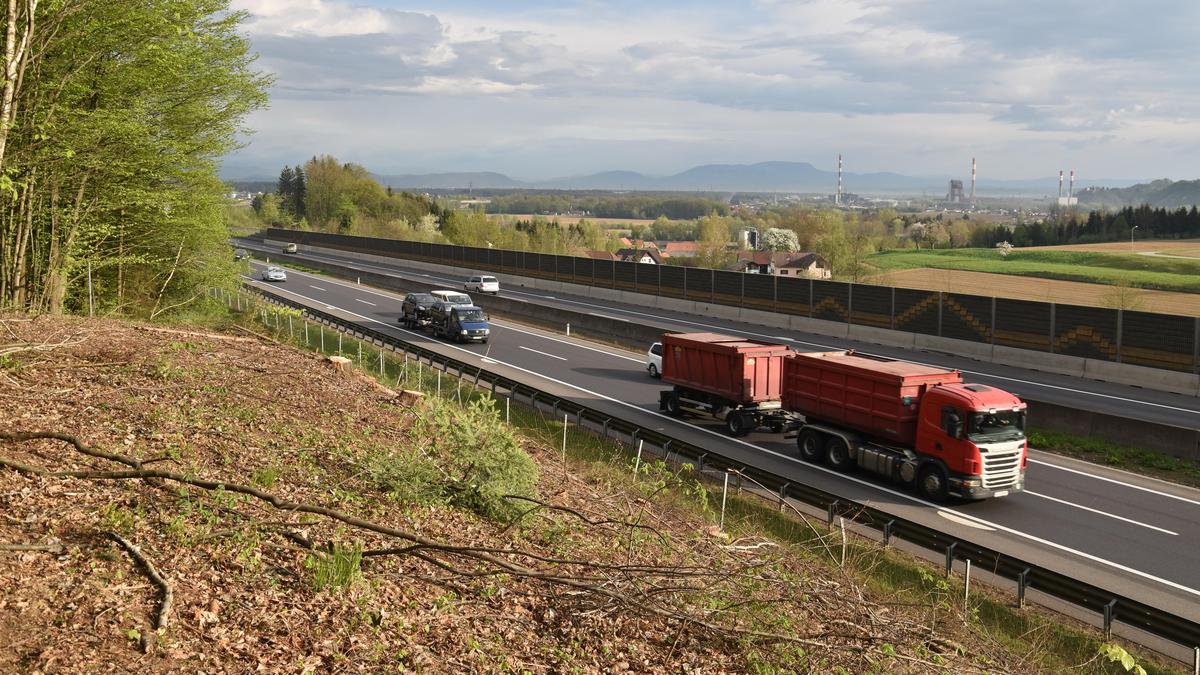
x: 414, y: 310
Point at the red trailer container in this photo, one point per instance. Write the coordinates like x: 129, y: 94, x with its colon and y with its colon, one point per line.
x: 875, y: 396
x: 741, y: 371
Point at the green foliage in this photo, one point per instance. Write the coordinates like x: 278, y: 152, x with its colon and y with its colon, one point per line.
x: 408, y: 476
x: 481, y: 456
x: 1117, y: 654
x: 337, y: 568
x: 123, y: 112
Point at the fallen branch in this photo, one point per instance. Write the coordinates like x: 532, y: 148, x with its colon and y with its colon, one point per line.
x: 168, y: 596
x: 189, y: 333
x: 50, y: 548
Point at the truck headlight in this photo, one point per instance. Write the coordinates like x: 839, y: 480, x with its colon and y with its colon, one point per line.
x: 972, y: 482
x: 486, y: 331
x: 463, y: 331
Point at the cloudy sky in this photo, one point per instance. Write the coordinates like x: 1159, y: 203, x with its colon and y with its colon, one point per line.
x: 542, y: 89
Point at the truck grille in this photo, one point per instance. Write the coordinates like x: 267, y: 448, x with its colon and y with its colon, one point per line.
x: 1001, y: 466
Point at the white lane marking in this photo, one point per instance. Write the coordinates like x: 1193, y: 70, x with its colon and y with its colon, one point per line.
x: 830, y: 347
x: 963, y: 521
x: 508, y: 326
x: 605, y: 316
x: 1099, y: 512
x: 816, y: 467
x: 316, y: 287
x: 485, y: 359
x: 365, y: 302
x: 1113, y: 480
x: 542, y: 353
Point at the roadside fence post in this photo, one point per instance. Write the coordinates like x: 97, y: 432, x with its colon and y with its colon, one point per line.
x: 381, y: 361
x: 289, y: 326
x: 564, y: 447
x: 306, y: 333
x: 322, y: 339
x: 568, y: 330
x: 339, y: 342
x: 724, y: 493
x: 637, y: 464
x: 439, y: 379
x: 360, y: 361
x: 507, y: 403
x: 842, y: 527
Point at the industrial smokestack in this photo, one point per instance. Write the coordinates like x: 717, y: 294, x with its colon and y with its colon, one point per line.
x: 972, y: 182
x: 838, y: 200
x: 1060, y: 180
x: 1071, y: 189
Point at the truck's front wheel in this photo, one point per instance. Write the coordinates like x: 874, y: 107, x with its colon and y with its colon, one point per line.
x: 811, y: 443
x: 837, y: 454
x: 931, y: 483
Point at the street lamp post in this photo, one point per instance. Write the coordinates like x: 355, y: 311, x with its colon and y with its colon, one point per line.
x: 1131, y: 231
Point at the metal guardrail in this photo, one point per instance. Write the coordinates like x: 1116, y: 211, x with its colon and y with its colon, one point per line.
x: 1111, y: 606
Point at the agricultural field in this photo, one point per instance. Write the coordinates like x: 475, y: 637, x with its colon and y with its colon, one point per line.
x: 1132, y: 269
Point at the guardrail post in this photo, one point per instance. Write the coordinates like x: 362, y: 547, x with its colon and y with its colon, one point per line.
x: 604, y: 428
x: 1108, y: 618
x: 829, y: 510
x: 1196, y: 661
x: 568, y: 330
x: 782, y: 495
x: 666, y: 448
x: 700, y: 463
x: 950, y: 557
x: 1022, y: 584
x: 887, y: 532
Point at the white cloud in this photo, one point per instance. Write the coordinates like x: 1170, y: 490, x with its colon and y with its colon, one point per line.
x: 901, y: 82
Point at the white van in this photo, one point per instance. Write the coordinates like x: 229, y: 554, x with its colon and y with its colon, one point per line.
x: 452, y: 297
x: 289, y: 248
x: 482, y: 284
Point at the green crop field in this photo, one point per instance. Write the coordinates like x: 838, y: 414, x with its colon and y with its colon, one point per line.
x: 1140, y: 271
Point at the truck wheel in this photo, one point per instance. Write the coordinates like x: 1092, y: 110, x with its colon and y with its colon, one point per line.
x: 738, y: 424
x: 811, y: 442
x: 931, y: 483
x: 672, y: 404
x: 837, y: 454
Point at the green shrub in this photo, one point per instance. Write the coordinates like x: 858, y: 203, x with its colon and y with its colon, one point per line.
x: 480, y: 455
x: 335, y: 568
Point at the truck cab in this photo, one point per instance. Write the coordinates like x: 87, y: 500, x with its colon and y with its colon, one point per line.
x: 976, y: 433
x: 463, y: 323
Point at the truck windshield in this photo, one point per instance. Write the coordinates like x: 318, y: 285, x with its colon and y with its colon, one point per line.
x: 471, y: 316
x: 1002, y: 425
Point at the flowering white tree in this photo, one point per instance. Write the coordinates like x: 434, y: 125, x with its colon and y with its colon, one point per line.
x: 1004, y: 248
x: 779, y: 239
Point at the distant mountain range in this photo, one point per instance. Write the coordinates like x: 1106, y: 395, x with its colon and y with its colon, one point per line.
x: 761, y: 177
x: 1161, y: 193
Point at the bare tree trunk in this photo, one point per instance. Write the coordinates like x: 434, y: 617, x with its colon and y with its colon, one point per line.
x: 16, y: 43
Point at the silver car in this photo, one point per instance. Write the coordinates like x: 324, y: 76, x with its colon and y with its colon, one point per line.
x: 274, y: 274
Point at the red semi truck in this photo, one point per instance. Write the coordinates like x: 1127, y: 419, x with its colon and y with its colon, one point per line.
x: 917, y: 424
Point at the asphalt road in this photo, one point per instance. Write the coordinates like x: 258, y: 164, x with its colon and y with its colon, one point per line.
x: 1130, y: 534
x: 1104, y: 397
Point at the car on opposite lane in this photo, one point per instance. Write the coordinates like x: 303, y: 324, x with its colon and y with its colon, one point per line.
x: 654, y: 360
x: 482, y: 284
x: 274, y: 274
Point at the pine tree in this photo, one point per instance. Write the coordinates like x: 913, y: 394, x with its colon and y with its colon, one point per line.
x: 299, y: 188
x: 285, y: 189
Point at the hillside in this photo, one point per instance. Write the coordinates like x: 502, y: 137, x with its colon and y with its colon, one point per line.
x: 1161, y: 193
x: 308, y: 519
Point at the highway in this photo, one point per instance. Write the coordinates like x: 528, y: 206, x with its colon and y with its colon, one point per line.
x: 1130, y: 534
x: 1104, y: 397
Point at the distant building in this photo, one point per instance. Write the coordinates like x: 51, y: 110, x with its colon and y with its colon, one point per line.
x: 956, y: 192
x: 648, y: 256
x: 679, y: 249
x: 600, y: 255
x: 748, y: 238
x: 801, y: 264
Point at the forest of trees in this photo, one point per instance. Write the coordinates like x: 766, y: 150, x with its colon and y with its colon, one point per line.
x: 1098, y: 226
x: 113, y: 117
